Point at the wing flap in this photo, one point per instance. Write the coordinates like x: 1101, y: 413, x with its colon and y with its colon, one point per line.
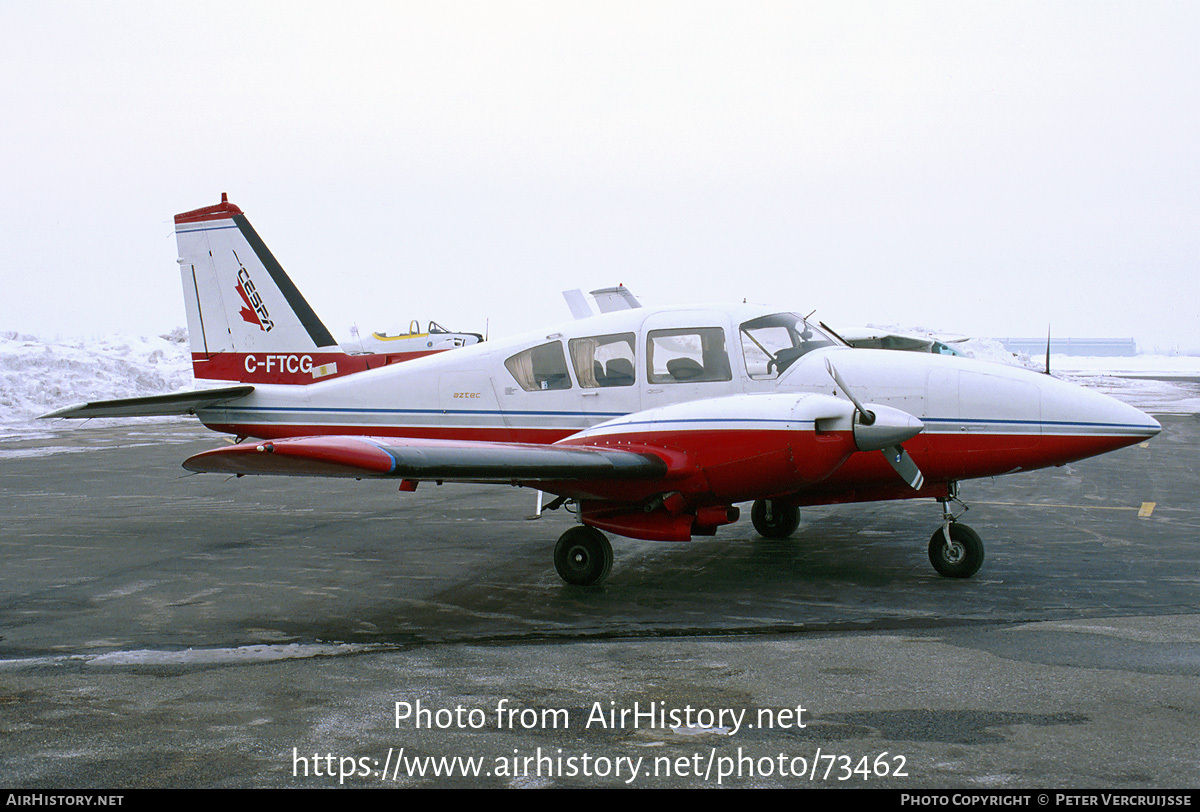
x: 444, y: 460
x: 176, y: 403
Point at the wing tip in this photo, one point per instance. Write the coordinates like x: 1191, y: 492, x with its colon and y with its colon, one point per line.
x: 65, y: 411
x: 337, y: 456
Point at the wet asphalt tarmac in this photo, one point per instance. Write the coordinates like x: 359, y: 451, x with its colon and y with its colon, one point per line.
x: 165, y: 630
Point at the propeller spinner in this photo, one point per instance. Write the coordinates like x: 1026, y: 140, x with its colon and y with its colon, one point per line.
x: 882, y: 428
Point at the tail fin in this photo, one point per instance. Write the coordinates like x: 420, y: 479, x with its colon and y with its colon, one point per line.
x: 247, y: 321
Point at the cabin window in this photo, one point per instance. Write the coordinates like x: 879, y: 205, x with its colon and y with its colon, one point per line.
x: 773, y: 343
x: 602, y: 361
x: 688, y: 355
x: 540, y: 368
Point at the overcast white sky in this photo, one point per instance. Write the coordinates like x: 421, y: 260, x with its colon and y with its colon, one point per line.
x: 982, y: 168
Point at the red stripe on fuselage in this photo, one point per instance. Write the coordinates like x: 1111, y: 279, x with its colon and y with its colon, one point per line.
x: 739, y: 465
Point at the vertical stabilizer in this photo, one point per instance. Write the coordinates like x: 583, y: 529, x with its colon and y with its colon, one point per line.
x: 247, y: 320
x: 239, y: 295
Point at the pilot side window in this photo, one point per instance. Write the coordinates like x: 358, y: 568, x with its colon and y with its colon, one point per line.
x: 602, y: 361
x: 688, y: 355
x: 541, y: 367
x: 771, y: 344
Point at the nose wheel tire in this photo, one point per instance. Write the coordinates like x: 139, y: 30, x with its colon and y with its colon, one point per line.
x: 962, y: 557
x: 583, y: 556
x: 773, y: 519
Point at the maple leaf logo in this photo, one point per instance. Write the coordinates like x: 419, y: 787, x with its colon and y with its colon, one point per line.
x: 247, y: 313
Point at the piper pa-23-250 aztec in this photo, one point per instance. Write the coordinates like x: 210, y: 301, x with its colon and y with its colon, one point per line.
x: 652, y: 423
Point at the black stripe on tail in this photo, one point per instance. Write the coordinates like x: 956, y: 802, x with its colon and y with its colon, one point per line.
x: 316, y: 330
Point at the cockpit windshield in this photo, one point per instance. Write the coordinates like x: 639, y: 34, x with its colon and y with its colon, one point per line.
x: 773, y: 343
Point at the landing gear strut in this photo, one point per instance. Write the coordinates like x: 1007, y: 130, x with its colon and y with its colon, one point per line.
x: 583, y: 556
x: 773, y: 519
x: 955, y: 550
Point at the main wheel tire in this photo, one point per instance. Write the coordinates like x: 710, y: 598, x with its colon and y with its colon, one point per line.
x: 962, y: 558
x: 783, y: 521
x: 583, y: 556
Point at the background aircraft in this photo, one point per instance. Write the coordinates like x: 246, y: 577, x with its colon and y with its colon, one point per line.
x: 649, y: 423
x: 434, y: 338
x: 873, y: 338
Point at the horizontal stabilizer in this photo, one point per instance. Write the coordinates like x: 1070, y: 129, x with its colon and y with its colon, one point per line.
x: 176, y: 403
x: 448, y: 460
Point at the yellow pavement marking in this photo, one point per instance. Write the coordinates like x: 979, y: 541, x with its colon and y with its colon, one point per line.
x: 1146, y: 509
x: 1073, y: 507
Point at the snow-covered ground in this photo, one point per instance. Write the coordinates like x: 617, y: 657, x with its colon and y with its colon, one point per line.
x: 1158, y: 384
x: 39, y: 375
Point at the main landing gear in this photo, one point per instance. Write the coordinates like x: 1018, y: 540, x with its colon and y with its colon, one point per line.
x: 955, y: 550
x: 583, y: 556
x: 773, y: 519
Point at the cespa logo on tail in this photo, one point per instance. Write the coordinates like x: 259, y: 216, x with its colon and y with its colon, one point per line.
x: 255, y: 312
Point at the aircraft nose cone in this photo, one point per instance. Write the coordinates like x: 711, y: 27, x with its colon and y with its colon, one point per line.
x: 1151, y: 428
x: 1089, y: 422
x: 890, y: 428
x: 1108, y: 413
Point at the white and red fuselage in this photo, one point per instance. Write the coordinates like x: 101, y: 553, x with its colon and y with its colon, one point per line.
x: 739, y: 429
x: 656, y: 422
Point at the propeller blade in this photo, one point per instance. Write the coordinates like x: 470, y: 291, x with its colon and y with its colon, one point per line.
x: 899, y: 459
x: 894, y: 427
x: 866, y: 416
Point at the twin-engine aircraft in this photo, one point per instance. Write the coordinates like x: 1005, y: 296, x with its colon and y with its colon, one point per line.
x: 651, y: 423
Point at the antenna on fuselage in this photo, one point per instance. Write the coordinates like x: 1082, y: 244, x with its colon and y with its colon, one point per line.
x: 1047, y: 349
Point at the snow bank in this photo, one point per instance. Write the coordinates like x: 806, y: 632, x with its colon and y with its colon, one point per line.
x: 985, y: 349
x: 989, y: 349
x: 39, y: 375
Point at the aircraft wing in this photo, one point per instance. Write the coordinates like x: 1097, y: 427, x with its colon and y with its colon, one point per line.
x: 875, y: 339
x: 418, y: 459
x: 176, y: 403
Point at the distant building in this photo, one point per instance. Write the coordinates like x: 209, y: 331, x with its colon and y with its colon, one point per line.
x: 1072, y: 346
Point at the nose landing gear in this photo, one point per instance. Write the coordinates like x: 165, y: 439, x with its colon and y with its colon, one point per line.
x: 955, y: 550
